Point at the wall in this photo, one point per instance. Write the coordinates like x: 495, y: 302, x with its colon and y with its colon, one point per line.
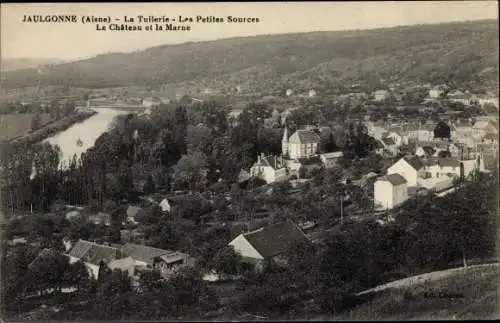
x: 404, y: 169
x: 399, y: 194
x: 244, y: 248
x: 383, y: 194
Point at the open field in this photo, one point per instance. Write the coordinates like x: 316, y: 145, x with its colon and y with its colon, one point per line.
x: 13, y: 125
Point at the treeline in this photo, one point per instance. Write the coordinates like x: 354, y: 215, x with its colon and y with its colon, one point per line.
x: 174, y: 148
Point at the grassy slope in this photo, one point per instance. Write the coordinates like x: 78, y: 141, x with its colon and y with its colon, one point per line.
x: 478, y: 285
x: 301, y: 61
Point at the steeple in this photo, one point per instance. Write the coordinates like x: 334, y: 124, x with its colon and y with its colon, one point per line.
x: 284, y: 142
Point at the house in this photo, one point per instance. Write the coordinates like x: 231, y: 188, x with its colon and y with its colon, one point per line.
x: 484, y: 100
x: 464, y: 98
x: 150, y: 102
x: 446, y: 166
x: 164, y: 260
x: 100, y: 218
x: 268, y: 244
x: 420, y: 132
x: 303, y: 143
x: 269, y: 168
x: 132, y: 212
x: 490, y: 138
x: 483, y: 127
x: 165, y: 205
x: 312, y: 93
x: 92, y: 254
x: 397, y: 134
x: 425, y: 151
x: 73, y: 214
x: 171, y: 261
x: 390, y: 191
x: 376, y: 130
x: 436, y: 92
x: 330, y: 160
x: 410, y: 168
x: 289, y: 92
x: 380, y: 95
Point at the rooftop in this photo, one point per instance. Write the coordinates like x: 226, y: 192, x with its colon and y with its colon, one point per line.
x: 93, y: 253
x: 414, y: 162
x: 275, y: 239
x: 304, y: 137
x: 394, y: 179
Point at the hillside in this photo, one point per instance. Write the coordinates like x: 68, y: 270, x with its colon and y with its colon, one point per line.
x: 465, y: 52
x: 450, y: 294
x: 10, y: 64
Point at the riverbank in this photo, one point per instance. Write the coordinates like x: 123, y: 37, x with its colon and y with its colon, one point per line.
x: 52, y: 128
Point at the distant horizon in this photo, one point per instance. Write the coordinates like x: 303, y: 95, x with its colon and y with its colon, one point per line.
x: 68, y: 60
x: 78, y: 41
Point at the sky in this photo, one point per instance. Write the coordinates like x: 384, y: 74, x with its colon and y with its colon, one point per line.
x: 76, y: 41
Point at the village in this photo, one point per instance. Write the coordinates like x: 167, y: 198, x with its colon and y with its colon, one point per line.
x: 420, y: 159
x: 276, y: 177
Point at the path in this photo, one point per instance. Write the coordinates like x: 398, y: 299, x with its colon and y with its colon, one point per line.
x: 436, y: 275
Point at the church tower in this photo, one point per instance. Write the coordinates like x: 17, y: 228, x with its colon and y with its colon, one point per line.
x: 284, y: 143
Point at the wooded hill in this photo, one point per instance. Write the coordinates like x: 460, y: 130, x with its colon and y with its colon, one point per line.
x: 465, y: 53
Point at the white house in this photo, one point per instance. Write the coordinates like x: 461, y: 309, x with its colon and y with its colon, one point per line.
x: 269, y: 168
x: 150, y: 102
x: 268, y: 244
x: 439, y: 167
x: 436, y: 92
x: 380, y: 95
x: 165, y: 205
x: 483, y: 127
x: 289, y: 92
x: 312, y: 93
x: 329, y: 160
x: 303, y: 143
x: 390, y: 191
x: 410, y: 168
x: 420, y: 132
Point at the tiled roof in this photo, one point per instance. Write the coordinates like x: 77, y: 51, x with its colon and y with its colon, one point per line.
x: 172, y: 257
x: 276, y: 239
x: 448, y: 162
x: 271, y: 161
x: 143, y: 253
x: 304, y: 137
x: 388, y: 141
x: 394, y: 179
x: 93, y: 253
x: 336, y: 154
x: 415, y: 162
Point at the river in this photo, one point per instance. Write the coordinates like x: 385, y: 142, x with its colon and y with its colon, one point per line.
x: 87, y: 131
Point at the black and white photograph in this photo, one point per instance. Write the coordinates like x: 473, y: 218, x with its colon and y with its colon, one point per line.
x: 249, y: 161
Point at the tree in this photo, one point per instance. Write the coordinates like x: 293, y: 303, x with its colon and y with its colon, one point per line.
x: 36, y: 122
x: 149, y: 186
x: 444, y: 154
x: 191, y: 170
x: 442, y: 130
x: 226, y: 261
